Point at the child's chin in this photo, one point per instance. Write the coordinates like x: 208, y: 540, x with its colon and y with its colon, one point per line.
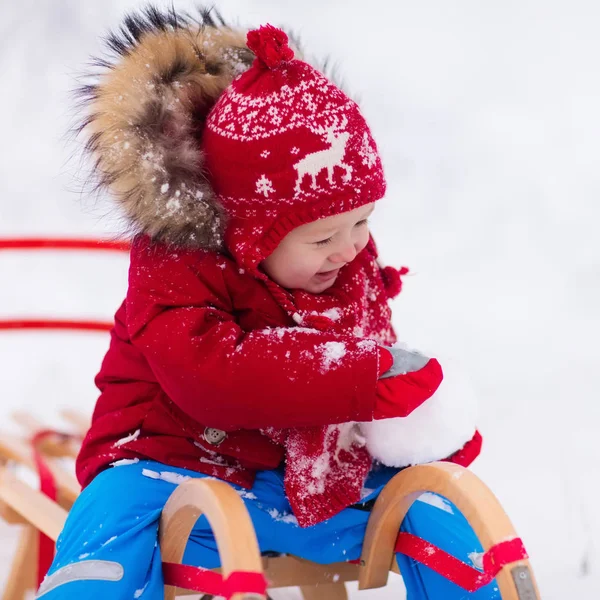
x: 316, y: 287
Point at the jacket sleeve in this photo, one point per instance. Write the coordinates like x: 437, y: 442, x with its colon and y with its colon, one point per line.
x: 180, y: 318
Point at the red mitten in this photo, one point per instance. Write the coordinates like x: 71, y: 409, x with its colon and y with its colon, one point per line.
x: 468, y: 453
x: 409, y: 380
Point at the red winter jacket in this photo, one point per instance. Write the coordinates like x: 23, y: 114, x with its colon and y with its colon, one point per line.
x: 202, y: 358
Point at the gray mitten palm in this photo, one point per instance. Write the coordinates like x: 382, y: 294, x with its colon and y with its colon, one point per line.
x: 405, y: 361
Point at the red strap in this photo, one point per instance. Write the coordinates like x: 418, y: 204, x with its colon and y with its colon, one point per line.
x: 455, y: 570
x: 63, y: 244
x: 502, y: 554
x: 209, y: 582
x: 64, y: 324
x: 48, y: 488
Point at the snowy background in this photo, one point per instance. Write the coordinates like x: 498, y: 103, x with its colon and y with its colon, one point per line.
x: 486, y: 114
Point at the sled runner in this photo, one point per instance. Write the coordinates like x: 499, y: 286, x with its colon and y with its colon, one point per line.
x: 245, y: 573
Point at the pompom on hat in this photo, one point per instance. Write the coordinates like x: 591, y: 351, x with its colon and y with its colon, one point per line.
x: 283, y: 147
x: 270, y: 46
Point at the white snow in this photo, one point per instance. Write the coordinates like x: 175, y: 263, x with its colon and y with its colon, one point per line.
x: 109, y: 540
x: 477, y: 559
x: 332, y: 313
x: 168, y: 476
x: 129, y: 438
x: 332, y: 354
x: 284, y: 517
x: 173, y: 205
x: 246, y: 494
x: 437, y: 501
x: 138, y: 593
x: 124, y: 462
x: 486, y: 116
x: 434, y: 430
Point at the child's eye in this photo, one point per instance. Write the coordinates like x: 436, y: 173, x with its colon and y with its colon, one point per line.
x: 361, y: 223
x: 324, y: 242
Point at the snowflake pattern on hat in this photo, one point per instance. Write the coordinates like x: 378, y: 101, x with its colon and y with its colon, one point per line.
x: 367, y: 152
x: 310, y: 104
x: 264, y: 186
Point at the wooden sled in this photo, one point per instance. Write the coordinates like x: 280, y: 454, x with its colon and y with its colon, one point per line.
x: 238, y: 547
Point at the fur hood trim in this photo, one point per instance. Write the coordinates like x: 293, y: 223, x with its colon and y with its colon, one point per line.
x: 145, y: 115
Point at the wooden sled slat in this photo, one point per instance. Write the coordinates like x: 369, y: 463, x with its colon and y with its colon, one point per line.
x: 79, y: 420
x: 22, y: 576
x: 467, y: 492
x: 15, y: 449
x: 228, y: 518
x: 54, y: 445
x: 44, y: 514
x: 234, y: 532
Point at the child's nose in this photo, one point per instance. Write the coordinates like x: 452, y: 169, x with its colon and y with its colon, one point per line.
x: 345, y: 255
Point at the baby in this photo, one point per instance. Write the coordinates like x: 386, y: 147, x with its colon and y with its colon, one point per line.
x: 255, y: 333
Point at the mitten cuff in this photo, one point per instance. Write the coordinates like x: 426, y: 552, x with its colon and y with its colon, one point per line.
x: 385, y: 360
x: 468, y: 453
x: 399, y: 395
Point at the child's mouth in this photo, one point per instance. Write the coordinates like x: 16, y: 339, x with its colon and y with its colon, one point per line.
x: 327, y: 275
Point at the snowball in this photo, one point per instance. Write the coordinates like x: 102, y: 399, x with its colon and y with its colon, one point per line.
x: 435, y: 430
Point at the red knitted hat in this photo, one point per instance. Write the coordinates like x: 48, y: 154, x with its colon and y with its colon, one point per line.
x: 283, y: 147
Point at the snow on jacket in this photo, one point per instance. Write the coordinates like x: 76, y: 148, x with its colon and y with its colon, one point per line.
x: 202, y: 358
x: 207, y: 367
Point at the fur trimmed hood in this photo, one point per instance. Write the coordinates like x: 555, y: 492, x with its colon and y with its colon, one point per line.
x: 145, y: 115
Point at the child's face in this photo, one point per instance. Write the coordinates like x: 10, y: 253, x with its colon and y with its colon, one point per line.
x: 310, y: 256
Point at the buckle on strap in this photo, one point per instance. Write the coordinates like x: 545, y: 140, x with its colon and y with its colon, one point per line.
x: 453, y: 569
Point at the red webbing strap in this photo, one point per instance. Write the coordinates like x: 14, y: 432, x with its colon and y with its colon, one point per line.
x: 453, y: 569
x: 60, y: 324
x: 209, y: 582
x: 63, y: 244
x: 48, y: 488
x: 502, y: 554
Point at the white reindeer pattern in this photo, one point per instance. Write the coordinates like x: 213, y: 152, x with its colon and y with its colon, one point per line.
x: 312, y: 164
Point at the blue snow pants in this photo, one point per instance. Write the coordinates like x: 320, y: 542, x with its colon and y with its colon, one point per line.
x: 109, y: 547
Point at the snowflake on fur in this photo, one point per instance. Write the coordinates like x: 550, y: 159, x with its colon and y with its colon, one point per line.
x: 264, y: 186
x: 369, y: 156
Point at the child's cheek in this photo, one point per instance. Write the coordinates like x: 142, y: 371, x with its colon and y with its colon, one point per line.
x: 365, y: 239
x: 311, y: 266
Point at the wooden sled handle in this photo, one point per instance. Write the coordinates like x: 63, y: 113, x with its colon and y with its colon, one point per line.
x: 35, y: 508
x: 472, y: 498
x: 15, y: 449
x: 57, y: 445
x: 77, y: 419
x: 228, y: 518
